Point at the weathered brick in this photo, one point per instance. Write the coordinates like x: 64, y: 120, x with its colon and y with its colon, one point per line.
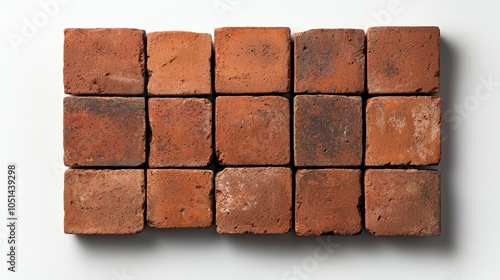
x: 403, y: 60
x: 252, y: 130
x: 328, y: 130
x: 103, y: 201
x: 327, y: 201
x: 330, y: 61
x: 254, y: 200
x: 104, y: 61
x: 403, y: 130
x: 179, y: 63
x: 252, y: 60
x: 402, y: 202
x: 104, y: 131
x: 181, y: 132
x: 179, y: 198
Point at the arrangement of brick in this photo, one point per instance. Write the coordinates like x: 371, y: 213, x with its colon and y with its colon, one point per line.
x: 331, y: 136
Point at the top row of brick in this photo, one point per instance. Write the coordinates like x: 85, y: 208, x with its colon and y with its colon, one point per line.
x: 252, y: 60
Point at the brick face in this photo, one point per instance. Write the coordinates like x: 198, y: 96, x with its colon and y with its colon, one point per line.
x: 104, y: 131
x: 103, y: 201
x: 403, y: 202
x: 181, y: 132
x: 252, y: 130
x: 328, y: 130
x: 179, y: 63
x: 330, y: 61
x: 104, y: 61
x: 252, y: 60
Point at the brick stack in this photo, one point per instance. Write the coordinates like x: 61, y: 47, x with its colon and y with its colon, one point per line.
x: 141, y: 149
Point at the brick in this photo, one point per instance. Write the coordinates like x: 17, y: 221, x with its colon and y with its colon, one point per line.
x: 328, y: 130
x: 402, y: 202
x: 181, y: 130
x: 403, y: 60
x: 104, y: 61
x: 253, y: 200
x: 252, y: 131
x: 330, y: 61
x: 103, y: 201
x: 327, y: 201
x: 179, y: 63
x: 403, y: 130
x: 252, y: 60
x: 179, y: 198
x: 104, y: 131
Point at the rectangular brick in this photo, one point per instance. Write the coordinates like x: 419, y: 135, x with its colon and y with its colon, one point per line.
x: 179, y: 63
x: 104, y: 61
x: 104, y: 201
x: 330, y: 61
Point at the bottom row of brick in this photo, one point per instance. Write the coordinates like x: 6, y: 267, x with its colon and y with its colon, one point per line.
x: 254, y: 200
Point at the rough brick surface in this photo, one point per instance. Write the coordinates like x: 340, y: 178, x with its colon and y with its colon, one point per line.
x: 104, y: 131
x: 103, y: 201
x: 403, y: 60
x: 179, y: 198
x: 402, y: 202
x: 254, y: 200
x: 330, y: 61
x: 104, y: 61
x: 403, y: 131
x: 181, y: 132
x: 328, y: 130
x: 179, y: 63
x: 252, y: 130
x: 252, y: 60
x: 327, y: 201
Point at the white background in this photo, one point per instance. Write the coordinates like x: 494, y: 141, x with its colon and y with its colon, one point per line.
x: 31, y: 135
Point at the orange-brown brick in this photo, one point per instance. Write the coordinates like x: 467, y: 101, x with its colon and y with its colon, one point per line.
x: 327, y: 201
x: 253, y: 200
x: 403, y: 60
x: 328, y: 130
x: 252, y: 60
x: 104, y: 61
x: 330, y: 61
x: 252, y: 130
x: 403, y: 130
x: 181, y: 132
x: 104, y: 131
x: 179, y: 198
x: 179, y: 63
x: 104, y: 201
x: 403, y: 202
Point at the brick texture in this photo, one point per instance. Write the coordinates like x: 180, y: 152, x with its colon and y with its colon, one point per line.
x: 179, y: 63
x: 103, y: 201
x: 254, y: 200
x: 330, y: 61
x: 403, y: 202
x: 104, y: 61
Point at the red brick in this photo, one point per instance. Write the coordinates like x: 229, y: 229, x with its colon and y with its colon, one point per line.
x: 179, y: 63
x: 403, y: 131
x: 253, y: 60
x: 327, y: 201
x: 402, y: 60
x: 104, y: 61
x: 252, y: 130
x: 181, y: 131
x: 403, y: 202
x: 104, y: 131
x: 330, y: 61
x: 328, y: 130
x: 253, y: 200
x: 103, y: 201
x: 179, y: 198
